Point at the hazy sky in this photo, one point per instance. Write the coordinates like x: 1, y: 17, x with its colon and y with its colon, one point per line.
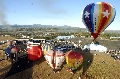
x: 50, y: 12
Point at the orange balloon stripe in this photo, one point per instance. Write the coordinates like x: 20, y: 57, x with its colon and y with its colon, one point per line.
x: 109, y: 17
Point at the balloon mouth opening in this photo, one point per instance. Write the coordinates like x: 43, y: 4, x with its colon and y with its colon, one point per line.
x: 95, y: 35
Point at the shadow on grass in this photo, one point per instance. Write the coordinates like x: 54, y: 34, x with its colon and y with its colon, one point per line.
x: 15, y: 71
x: 87, y: 60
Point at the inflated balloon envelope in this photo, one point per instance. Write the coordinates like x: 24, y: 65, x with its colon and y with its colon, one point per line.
x: 74, y: 59
x: 47, y: 47
x: 34, y: 52
x: 55, y: 58
x: 97, y: 17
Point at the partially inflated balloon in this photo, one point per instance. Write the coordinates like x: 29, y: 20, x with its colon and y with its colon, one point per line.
x: 97, y: 17
x: 47, y: 47
x: 55, y: 58
x: 74, y: 59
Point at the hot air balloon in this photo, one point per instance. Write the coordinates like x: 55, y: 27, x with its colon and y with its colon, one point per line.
x: 47, y: 47
x: 74, y: 59
x: 97, y: 17
x: 55, y: 59
x: 34, y: 50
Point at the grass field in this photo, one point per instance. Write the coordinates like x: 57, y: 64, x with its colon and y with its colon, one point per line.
x: 2, y: 38
x: 95, y: 69
x: 102, y: 66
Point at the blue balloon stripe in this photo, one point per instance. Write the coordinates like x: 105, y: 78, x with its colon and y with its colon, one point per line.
x: 91, y: 17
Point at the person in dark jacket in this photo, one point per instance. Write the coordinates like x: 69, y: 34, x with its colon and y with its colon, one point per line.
x: 14, y: 54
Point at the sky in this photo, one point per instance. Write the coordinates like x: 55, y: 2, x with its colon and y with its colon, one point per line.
x: 50, y: 12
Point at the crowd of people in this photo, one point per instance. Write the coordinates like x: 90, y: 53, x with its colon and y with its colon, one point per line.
x: 114, y: 53
x: 13, y: 49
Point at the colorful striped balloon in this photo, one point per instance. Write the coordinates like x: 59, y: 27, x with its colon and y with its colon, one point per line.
x: 97, y: 17
x: 47, y: 47
x: 74, y: 59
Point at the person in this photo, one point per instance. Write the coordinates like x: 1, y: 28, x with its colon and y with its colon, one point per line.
x: 8, y: 49
x: 10, y: 44
x: 7, y: 53
x: 14, y: 54
x: 81, y: 46
x: 92, y: 42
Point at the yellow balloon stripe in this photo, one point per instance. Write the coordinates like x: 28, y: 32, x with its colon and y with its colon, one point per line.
x: 99, y: 17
